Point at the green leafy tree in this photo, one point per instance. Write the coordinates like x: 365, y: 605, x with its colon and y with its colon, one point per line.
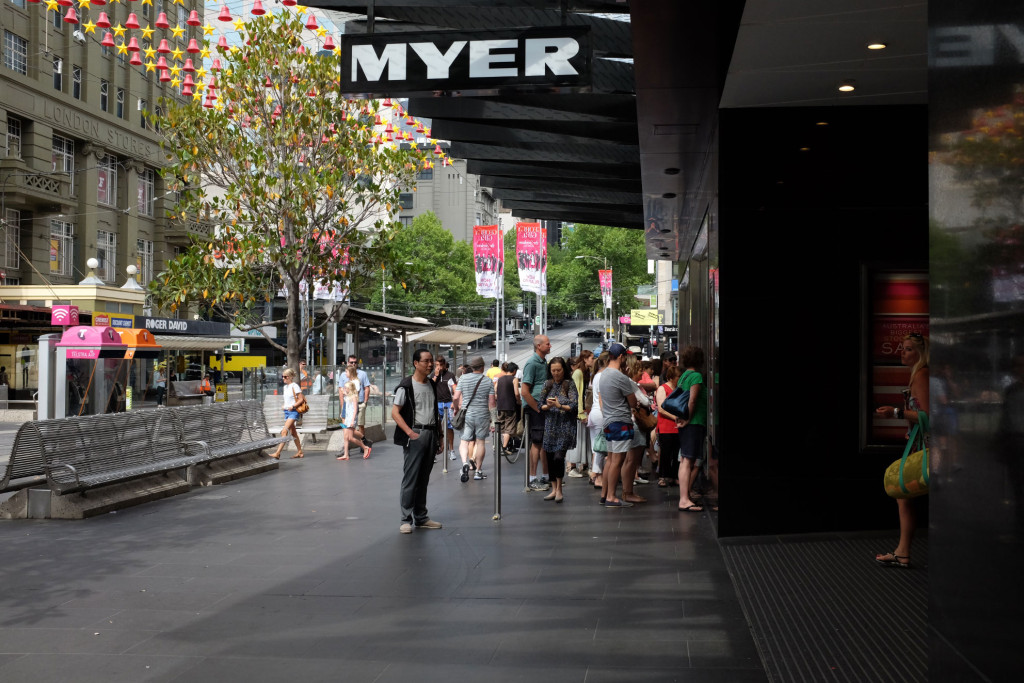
x: 431, y: 274
x: 573, y: 285
x: 290, y: 175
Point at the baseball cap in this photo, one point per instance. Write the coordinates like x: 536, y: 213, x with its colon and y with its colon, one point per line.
x: 616, y: 350
x: 477, y: 363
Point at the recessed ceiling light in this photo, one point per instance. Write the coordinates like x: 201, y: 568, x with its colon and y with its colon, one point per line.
x: 671, y: 171
x: 821, y: 123
x: 669, y: 195
x: 805, y: 149
x: 877, y: 46
x: 849, y: 85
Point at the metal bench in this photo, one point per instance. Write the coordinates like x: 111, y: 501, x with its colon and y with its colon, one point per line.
x: 81, y: 453
x: 184, y: 392
x: 314, y: 421
x: 226, y: 429
x: 25, y: 466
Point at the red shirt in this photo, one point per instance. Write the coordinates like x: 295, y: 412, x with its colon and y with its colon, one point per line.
x: 667, y: 425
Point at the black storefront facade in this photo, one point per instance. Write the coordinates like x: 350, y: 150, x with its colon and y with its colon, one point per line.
x: 842, y: 225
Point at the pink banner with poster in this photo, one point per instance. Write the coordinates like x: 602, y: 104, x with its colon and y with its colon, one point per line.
x: 531, y: 256
x: 488, y: 260
x: 605, y: 278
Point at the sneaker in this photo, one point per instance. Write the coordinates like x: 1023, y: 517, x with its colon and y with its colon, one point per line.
x: 465, y: 474
x: 451, y: 455
x: 472, y: 463
x: 544, y: 480
x: 429, y: 524
x: 406, y: 528
x: 538, y: 485
x: 576, y: 474
x: 640, y: 480
x: 479, y: 475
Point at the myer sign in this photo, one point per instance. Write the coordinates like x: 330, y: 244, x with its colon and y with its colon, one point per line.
x: 551, y: 59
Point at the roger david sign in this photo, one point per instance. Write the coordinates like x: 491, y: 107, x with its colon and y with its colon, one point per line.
x: 548, y: 59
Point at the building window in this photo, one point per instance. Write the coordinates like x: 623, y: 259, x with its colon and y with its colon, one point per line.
x: 143, y: 110
x: 156, y: 122
x: 147, y: 182
x: 107, y: 180
x: 425, y: 174
x: 13, y: 137
x: 58, y: 20
x: 105, y: 51
x: 76, y: 82
x: 18, y: 3
x: 61, y: 238
x: 406, y: 220
x: 15, y: 53
x: 64, y: 157
x: 58, y: 73
x: 106, y: 254
x: 405, y: 200
x: 120, y: 103
x: 145, y: 10
x: 121, y: 59
x: 144, y: 262
x: 10, y: 233
x: 104, y: 100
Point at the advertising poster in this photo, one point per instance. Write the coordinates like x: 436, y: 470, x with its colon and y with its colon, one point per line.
x: 605, y: 278
x: 530, y: 256
x: 488, y: 260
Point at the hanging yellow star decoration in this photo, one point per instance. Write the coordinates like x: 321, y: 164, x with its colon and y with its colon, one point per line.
x: 150, y: 52
x: 147, y: 33
x: 89, y: 27
x: 177, y: 53
x: 207, y: 30
x: 205, y: 52
x: 175, y: 82
x: 147, y: 2
x: 238, y: 24
x: 201, y: 72
x: 178, y: 31
x: 122, y: 49
x: 321, y: 31
x: 51, y: 5
x: 175, y: 70
x: 84, y: 4
x: 119, y: 30
x: 150, y: 66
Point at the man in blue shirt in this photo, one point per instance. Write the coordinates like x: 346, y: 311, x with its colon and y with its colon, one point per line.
x: 535, y: 374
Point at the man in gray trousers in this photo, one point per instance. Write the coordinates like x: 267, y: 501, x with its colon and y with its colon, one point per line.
x: 417, y: 431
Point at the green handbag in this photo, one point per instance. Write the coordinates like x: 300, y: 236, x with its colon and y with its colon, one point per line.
x: 908, y: 476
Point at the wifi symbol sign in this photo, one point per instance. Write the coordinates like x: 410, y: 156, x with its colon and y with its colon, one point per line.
x: 64, y: 315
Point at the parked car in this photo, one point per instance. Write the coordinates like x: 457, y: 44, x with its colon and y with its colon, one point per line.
x: 589, y: 333
x: 556, y: 323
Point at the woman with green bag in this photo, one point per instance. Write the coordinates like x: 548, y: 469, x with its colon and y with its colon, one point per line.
x: 914, y: 355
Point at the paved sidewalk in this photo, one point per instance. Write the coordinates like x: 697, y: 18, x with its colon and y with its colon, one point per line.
x: 301, y: 575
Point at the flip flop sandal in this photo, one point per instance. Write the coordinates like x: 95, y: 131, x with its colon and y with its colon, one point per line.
x: 894, y: 561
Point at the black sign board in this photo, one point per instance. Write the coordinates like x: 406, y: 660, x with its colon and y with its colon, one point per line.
x: 548, y: 59
x: 201, y: 328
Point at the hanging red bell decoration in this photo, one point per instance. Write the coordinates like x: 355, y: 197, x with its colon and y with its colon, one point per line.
x: 222, y: 44
x: 188, y: 82
x: 133, y: 21
x: 133, y: 44
x: 224, y: 15
x: 386, y: 102
x: 438, y: 151
x: 102, y: 21
x: 188, y: 66
x: 311, y: 24
x: 193, y: 47
x: 344, y: 116
x: 267, y: 83
x: 389, y: 128
x: 71, y: 17
x: 426, y: 131
x: 410, y: 121
x: 186, y: 91
x: 136, y: 59
x: 98, y: 3
x: 289, y: 3
x: 311, y: 93
x: 216, y: 64
x: 419, y: 126
x: 193, y: 19
x: 329, y: 43
x: 209, y: 101
x: 165, y: 76
x: 212, y: 85
x: 65, y: 3
x: 257, y: 9
x: 161, y: 21
x: 164, y: 48
x: 161, y: 62
x: 108, y: 40
x: 377, y: 121
x: 277, y: 111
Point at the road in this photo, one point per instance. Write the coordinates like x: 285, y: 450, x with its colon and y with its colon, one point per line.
x: 561, y: 338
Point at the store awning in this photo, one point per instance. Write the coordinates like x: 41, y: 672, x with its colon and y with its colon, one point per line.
x: 188, y: 343
x: 452, y: 334
x: 358, y: 317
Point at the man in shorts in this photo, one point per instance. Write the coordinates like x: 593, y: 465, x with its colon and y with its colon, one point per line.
x: 617, y: 403
x: 444, y: 379
x: 475, y: 395
x: 535, y: 374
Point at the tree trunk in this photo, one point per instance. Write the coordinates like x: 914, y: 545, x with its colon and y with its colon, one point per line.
x: 294, y: 326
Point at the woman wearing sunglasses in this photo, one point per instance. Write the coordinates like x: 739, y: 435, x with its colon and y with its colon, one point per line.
x: 915, y: 356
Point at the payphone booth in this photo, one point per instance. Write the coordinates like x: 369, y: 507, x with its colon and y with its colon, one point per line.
x: 140, y: 357
x: 92, y: 362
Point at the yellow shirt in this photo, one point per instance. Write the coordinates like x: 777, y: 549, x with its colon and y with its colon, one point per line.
x: 493, y: 373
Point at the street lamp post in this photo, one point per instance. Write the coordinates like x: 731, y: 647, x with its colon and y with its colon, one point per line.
x: 608, y: 309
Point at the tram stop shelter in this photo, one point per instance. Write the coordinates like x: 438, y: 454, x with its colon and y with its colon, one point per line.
x: 456, y: 335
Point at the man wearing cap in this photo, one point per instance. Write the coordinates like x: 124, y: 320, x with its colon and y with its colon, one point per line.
x: 475, y: 395
x: 535, y: 374
x: 417, y: 431
x: 617, y: 403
